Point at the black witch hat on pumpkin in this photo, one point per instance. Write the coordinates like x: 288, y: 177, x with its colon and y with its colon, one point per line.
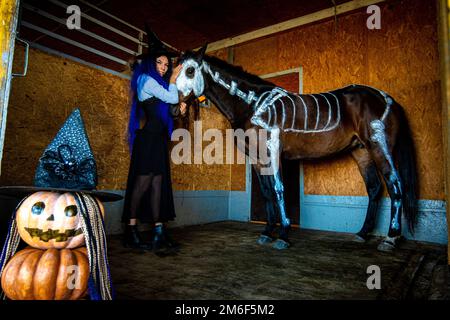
x: 67, y: 165
x: 156, y: 47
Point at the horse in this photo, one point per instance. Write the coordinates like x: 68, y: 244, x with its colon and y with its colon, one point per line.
x: 358, y: 119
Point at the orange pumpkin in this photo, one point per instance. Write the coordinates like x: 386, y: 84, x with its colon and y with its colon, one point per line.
x: 51, y: 220
x: 52, y: 274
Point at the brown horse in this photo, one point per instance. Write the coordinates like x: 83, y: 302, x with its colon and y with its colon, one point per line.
x: 358, y: 119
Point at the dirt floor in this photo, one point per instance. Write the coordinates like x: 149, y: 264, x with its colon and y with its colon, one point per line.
x: 223, y: 261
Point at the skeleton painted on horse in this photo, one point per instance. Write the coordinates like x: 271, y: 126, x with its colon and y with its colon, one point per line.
x: 361, y: 120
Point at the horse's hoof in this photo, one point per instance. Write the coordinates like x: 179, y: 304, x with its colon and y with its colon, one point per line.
x: 388, y: 244
x: 263, y: 239
x: 280, y: 244
x: 358, y: 238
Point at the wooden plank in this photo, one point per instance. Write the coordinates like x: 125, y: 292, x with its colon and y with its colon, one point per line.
x: 293, y: 23
x: 8, y: 22
x: 447, y: 78
x: 444, y: 38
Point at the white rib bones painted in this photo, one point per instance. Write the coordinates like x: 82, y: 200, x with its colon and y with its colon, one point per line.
x: 281, y: 101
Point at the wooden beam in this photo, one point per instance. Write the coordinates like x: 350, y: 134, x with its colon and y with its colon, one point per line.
x: 293, y: 23
x: 444, y: 50
x: 9, y: 12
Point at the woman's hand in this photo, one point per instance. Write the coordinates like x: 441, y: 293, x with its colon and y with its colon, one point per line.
x: 183, y: 108
x: 175, y: 73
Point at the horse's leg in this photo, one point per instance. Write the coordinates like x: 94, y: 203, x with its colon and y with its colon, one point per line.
x: 369, y: 173
x: 278, y: 189
x: 383, y: 160
x: 267, y: 235
x: 274, y: 147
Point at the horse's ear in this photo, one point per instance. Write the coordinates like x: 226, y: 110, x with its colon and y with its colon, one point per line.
x: 201, y: 52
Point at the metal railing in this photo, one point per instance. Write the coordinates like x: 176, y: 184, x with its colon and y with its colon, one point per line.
x: 137, y: 39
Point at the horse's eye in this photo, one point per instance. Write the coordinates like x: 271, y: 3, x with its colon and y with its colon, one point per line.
x: 190, y: 72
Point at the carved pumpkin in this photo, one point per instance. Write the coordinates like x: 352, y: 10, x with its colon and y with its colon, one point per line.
x: 51, y: 220
x: 52, y: 274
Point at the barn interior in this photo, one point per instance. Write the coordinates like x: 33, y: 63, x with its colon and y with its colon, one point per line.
x: 301, y: 46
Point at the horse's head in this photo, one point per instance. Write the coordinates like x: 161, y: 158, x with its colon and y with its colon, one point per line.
x: 191, y: 77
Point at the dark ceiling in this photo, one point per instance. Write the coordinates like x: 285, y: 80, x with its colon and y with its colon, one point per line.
x: 183, y: 24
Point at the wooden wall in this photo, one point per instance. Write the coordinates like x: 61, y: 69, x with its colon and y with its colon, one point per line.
x: 401, y: 59
x: 53, y: 87
x: 41, y: 102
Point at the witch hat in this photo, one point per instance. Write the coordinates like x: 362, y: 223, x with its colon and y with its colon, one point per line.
x: 156, y: 47
x: 67, y: 165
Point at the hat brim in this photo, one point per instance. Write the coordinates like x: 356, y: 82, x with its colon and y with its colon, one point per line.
x: 23, y: 191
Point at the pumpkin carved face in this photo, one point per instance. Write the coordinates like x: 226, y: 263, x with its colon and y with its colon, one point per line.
x: 50, y: 220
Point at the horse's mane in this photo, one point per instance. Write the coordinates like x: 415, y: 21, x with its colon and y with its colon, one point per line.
x: 236, y: 72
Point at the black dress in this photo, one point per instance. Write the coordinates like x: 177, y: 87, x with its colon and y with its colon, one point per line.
x: 150, y: 155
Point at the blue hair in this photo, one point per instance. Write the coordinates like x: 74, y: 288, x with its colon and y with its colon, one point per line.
x: 146, y: 66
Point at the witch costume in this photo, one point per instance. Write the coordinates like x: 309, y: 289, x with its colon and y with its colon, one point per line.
x: 149, y: 195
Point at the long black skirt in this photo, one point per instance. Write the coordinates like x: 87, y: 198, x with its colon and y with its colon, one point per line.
x: 150, y: 155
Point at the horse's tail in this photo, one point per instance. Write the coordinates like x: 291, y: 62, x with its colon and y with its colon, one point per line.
x: 406, y: 162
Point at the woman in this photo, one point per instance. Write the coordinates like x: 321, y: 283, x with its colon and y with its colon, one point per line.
x: 149, y: 195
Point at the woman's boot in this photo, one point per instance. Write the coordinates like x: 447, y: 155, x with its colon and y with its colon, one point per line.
x: 132, y: 238
x: 158, y: 243
x: 162, y: 244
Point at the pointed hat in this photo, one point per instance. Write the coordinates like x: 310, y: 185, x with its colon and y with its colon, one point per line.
x: 156, y: 47
x: 67, y: 165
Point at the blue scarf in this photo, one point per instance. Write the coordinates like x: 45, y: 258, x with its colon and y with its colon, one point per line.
x: 137, y: 112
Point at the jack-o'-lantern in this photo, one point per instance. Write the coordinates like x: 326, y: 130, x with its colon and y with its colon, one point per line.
x: 34, y: 274
x: 51, y: 220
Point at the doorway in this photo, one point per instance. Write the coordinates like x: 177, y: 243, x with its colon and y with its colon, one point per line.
x: 291, y: 81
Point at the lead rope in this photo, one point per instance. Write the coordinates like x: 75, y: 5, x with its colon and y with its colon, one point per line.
x: 100, y: 285
x: 11, y: 244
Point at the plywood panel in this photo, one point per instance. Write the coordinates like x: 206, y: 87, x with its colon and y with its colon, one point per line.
x: 40, y: 103
x: 54, y: 86
x: 203, y: 176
